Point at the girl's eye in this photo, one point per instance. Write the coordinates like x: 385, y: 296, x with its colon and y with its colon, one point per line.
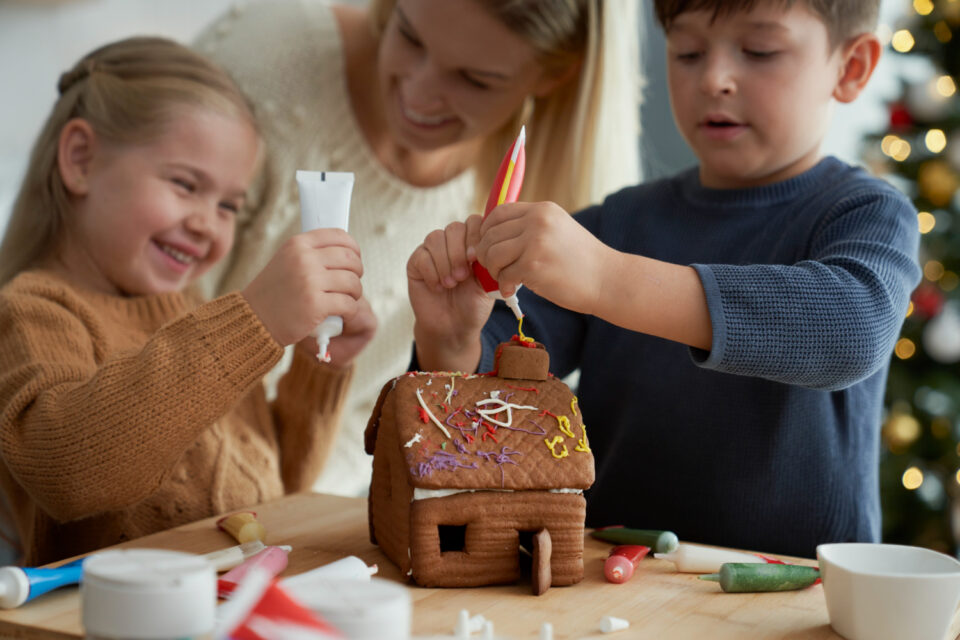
x: 688, y: 57
x: 186, y: 185
x: 229, y: 206
x: 760, y: 55
x: 409, y: 37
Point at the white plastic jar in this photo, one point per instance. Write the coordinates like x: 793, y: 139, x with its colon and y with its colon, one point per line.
x: 148, y: 594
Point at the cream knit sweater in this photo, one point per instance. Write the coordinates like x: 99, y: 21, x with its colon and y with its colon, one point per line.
x: 120, y: 417
x: 287, y: 56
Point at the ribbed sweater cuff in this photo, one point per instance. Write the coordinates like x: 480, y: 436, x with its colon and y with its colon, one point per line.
x: 237, y: 339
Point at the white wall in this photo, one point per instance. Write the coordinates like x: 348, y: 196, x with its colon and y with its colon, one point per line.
x: 41, y: 39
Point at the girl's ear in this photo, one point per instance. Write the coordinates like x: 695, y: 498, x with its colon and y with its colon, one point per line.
x: 859, y: 59
x: 75, y: 151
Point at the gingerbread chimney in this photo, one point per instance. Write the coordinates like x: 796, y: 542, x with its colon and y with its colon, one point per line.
x: 521, y: 360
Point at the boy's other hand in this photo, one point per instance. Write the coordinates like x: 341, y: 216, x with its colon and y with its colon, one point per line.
x: 313, y: 275
x: 541, y: 246
x: 450, y: 306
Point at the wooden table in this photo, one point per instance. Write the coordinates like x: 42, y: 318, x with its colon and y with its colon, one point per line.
x: 657, y: 602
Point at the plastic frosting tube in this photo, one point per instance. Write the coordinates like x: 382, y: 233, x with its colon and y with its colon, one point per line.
x: 273, y: 560
x: 230, y: 557
x: 22, y: 584
x: 325, y: 204
x: 623, y: 559
x: 506, y: 188
x: 349, y: 568
x: 691, y: 558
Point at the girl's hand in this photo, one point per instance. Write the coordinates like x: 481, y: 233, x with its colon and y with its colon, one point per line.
x: 313, y: 275
x: 541, y: 246
x: 450, y: 306
x: 358, y: 330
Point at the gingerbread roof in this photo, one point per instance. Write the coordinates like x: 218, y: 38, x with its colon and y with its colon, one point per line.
x: 459, y: 431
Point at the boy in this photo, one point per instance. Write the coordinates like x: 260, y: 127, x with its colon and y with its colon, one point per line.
x: 733, y: 324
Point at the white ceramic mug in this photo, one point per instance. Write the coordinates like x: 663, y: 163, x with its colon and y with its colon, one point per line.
x: 888, y: 591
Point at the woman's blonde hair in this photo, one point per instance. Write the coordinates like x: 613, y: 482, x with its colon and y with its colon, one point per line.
x: 128, y: 91
x: 583, y: 138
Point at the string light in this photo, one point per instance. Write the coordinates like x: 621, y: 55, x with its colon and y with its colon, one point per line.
x: 946, y: 86
x: 902, y: 41
x: 942, y: 33
x: 933, y: 270
x: 909, y: 309
x: 912, y: 478
x: 949, y: 281
x: 957, y: 477
x: 923, y: 7
x: 926, y: 221
x: 905, y: 348
x: 936, y: 140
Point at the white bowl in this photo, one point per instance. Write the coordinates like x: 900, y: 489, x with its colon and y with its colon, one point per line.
x: 888, y: 591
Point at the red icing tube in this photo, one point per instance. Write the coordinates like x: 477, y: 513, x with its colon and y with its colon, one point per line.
x: 623, y: 559
x: 506, y: 188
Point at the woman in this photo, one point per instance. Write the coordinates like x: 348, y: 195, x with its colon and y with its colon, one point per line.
x: 420, y: 98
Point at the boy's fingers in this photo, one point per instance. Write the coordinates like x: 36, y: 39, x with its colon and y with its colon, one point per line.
x: 457, y: 251
x: 472, y: 237
x: 503, y: 213
x: 436, y: 245
x: 420, y: 267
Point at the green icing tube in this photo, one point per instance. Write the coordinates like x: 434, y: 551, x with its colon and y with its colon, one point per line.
x: 659, y: 541
x: 744, y: 577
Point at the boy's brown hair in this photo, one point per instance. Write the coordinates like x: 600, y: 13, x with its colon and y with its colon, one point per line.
x: 843, y: 18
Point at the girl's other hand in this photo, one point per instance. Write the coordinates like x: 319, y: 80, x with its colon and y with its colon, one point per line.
x: 313, y: 275
x: 358, y: 330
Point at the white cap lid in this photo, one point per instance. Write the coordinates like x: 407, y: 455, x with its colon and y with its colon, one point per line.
x: 377, y: 609
x: 148, y: 594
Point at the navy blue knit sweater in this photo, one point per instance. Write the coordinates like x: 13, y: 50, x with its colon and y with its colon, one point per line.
x: 770, y: 441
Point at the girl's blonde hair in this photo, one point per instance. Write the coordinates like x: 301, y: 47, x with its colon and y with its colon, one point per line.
x: 128, y: 91
x: 583, y: 138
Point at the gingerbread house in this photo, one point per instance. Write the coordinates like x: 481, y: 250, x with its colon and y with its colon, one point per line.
x: 478, y: 477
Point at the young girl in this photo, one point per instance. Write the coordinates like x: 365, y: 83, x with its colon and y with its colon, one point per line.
x: 126, y: 406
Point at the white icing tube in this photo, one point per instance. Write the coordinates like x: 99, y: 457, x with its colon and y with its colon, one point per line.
x: 325, y: 204
x: 692, y: 558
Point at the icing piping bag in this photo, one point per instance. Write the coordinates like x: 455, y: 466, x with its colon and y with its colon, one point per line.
x: 751, y: 577
x: 22, y: 584
x: 659, y: 541
x: 505, y: 188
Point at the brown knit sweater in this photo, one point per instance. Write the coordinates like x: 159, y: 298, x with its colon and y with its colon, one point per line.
x: 120, y: 417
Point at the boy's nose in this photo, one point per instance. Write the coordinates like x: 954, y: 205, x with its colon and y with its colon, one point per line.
x: 718, y: 78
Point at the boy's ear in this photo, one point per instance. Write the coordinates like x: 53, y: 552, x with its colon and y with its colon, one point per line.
x: 75, y: 151
x: 859, y: 59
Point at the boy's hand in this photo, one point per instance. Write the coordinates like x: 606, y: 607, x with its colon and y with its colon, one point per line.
x: 313, y: 275
x: 541, y: 246
x: 450, y: 306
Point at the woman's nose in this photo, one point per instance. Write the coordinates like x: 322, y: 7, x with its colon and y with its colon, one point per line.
x: 423, y: 85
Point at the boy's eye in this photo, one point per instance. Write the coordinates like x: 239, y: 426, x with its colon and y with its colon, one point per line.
x: 760, y: 54
x: 688, y: 56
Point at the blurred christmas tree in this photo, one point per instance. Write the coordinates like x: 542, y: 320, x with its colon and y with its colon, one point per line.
x: 920, y: 153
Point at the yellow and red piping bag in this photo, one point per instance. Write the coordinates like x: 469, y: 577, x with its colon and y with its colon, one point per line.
x: 505, y: 188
